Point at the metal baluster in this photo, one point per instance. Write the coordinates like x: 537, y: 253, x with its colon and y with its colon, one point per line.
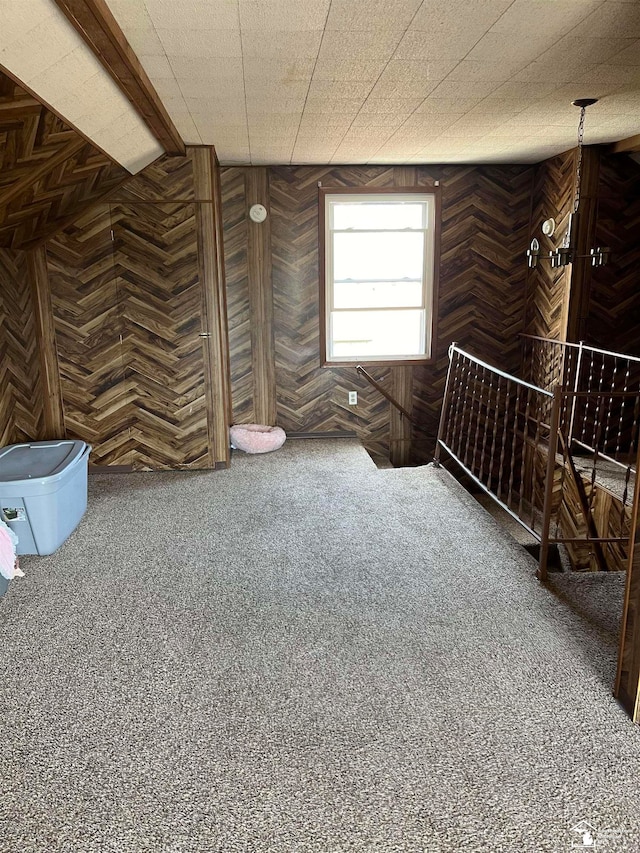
x: 454, y: 401
x: 513, y: 446
x: 583, y: 434
x: 495, y: 432
x: 464, y: 387
x: 486, y: 429
x: 476, y: 446
x: 503, y: 448
x: 525, y: 431
x: 610, y: 406
x: 623, y: 406
x: 596, y: 435
x: 536, y: 443
x: 472, y: 405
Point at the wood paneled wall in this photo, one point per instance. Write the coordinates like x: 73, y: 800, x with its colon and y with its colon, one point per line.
x: 49, y: 173
x: 598, y: 305
x: 613, y: 316
x: 21, y: 392
x: 138, y: 302
x: 485, y: 221
x: 485, y: 217
x: 548, y: 289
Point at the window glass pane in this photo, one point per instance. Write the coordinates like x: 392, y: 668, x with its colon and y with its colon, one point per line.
x: 377, y: 215
x: 378, y: 256
x: 379, y: 294
x: 377, y: 333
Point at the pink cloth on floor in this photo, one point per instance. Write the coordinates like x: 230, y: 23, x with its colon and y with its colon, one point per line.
x: 8, y: 561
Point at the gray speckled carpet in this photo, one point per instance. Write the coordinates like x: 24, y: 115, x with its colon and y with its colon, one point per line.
x: 305, y: 653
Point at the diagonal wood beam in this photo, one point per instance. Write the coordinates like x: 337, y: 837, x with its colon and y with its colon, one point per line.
x: 100, y: 30
x: 632, y: 143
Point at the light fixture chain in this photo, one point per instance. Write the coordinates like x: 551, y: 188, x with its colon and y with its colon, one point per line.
x: 576, y: 196
x: 566, y: 243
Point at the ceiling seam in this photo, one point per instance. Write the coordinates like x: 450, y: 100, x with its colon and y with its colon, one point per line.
x: 375, y: 82
x: 482, y: 100
x: 166, y: 56
x: 398, y: 129
x: 313, y: 71
x: 244, y: 83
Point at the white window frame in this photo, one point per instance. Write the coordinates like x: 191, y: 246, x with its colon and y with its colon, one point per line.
x: 428, y: 198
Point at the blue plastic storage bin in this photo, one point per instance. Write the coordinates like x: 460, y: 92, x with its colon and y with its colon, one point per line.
x: 43, y: 492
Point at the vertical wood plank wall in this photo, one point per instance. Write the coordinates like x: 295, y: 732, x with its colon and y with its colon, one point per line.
x: 485, y: 219
x: 261, y: 298
x: 214, y: 305
x: 235, y: 230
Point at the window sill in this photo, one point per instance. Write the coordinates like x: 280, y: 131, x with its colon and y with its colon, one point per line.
x: 392, y: 362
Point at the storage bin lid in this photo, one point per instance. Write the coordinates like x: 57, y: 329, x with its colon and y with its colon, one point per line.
x: 38, y: 459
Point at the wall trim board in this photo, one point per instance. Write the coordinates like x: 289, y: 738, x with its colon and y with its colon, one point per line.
x: 626, y: 146
x: 627, y: 686
x: 54, y: 424
x: 96, y: 24
x: 261, y: 298
x: 214, y: 308
x: 216, y: 188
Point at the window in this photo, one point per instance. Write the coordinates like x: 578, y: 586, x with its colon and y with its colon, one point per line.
x: 378, y: 288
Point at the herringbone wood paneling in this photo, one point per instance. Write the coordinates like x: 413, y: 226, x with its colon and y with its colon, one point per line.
x: 485, y: 214
x: 170, y: 178
x: 238, y: 304
x: 548, y: 288
x: 88, y: 319
x: 161, y: 303
x: 127, y: 326
x: 21, y: 409
x: 614, y: 311
x: 49, y: 174
x: 311, y: 398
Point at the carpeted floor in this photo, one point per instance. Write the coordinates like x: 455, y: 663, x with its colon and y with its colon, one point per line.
x: 305, y: 653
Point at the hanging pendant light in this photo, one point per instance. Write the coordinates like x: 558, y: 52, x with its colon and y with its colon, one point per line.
x: 565, y: 253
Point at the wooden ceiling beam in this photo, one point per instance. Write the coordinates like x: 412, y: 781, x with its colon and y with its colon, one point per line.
x: 626, y: 146
x: 95, y: 23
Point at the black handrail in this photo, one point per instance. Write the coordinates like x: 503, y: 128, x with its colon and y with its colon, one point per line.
x: 405, y: 414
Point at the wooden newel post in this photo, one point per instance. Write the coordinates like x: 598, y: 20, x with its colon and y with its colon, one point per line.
x: 627, y: 687
x: 549, y: 480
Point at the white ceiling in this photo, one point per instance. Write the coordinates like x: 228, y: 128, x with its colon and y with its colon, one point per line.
x: 41, y: 48
x: 389, y: 81
x: 345, y: 81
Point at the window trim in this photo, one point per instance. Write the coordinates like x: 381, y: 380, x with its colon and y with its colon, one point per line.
x: 431, y: 327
